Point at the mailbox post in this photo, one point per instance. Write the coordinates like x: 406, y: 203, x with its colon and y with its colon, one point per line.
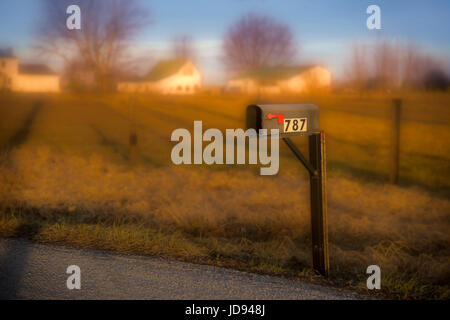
x: 302, y: 120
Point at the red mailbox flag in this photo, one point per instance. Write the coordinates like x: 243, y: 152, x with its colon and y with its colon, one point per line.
x: 279, y: 116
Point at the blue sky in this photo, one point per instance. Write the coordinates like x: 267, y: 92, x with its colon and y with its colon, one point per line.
x: 324, y: 29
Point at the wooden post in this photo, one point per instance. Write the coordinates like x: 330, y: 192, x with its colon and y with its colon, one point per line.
x: 395, y: 140
x: 133, y: 137
x: 133, y: 141
x: 319, y: 225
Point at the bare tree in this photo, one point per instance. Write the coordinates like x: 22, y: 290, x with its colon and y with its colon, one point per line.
x: 183, y: 47
x: 416, y: 65
x: 411, y: 66
x: 358, y: 70
x: 257, y: 41
x: 101, y: 44
x: 388, y: 64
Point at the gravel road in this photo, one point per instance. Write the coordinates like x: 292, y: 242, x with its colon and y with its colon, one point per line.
x: 35, y: 271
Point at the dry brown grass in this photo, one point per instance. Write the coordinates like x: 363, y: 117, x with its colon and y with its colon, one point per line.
x: 404, y: 231
x: 74, y: 178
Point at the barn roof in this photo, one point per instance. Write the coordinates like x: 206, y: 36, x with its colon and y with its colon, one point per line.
x: 269, y: 74
x: 6, y: 53
x: 164, y: 69
x: 129, y: 77
x: 35, y: 69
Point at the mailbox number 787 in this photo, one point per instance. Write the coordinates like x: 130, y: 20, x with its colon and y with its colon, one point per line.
x: 295, y: 125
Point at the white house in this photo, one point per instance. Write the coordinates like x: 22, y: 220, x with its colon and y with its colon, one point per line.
x: 25, y: 77
x: 167, y: 77
x: 275, y: 80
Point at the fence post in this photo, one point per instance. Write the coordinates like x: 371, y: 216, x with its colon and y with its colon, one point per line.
x: 319, y: 225
x: 395, y: 140
x: 133, y: 137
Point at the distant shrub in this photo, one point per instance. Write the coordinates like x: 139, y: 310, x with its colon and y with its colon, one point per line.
x: 436, y: 80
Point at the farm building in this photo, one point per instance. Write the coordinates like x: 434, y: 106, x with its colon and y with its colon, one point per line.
x: 25, y: 77
x: 167, y: 77
x: 274, y: 80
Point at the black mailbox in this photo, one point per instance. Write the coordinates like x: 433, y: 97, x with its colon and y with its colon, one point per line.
x: 302, y: 120
x: 290, y: 119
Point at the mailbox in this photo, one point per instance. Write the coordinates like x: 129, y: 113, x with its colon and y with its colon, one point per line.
x: 302, y: 120
x: 290, y: 119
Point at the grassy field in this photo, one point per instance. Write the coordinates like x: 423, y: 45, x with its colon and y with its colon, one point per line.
x: 68, y: 175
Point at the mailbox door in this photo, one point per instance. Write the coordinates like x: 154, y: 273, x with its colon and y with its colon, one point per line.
x: 290, y: 119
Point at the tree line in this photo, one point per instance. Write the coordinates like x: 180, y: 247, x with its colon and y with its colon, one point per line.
x: 101, y: 51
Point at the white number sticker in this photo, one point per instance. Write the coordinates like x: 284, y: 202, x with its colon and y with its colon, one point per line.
x: 295, y: 125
